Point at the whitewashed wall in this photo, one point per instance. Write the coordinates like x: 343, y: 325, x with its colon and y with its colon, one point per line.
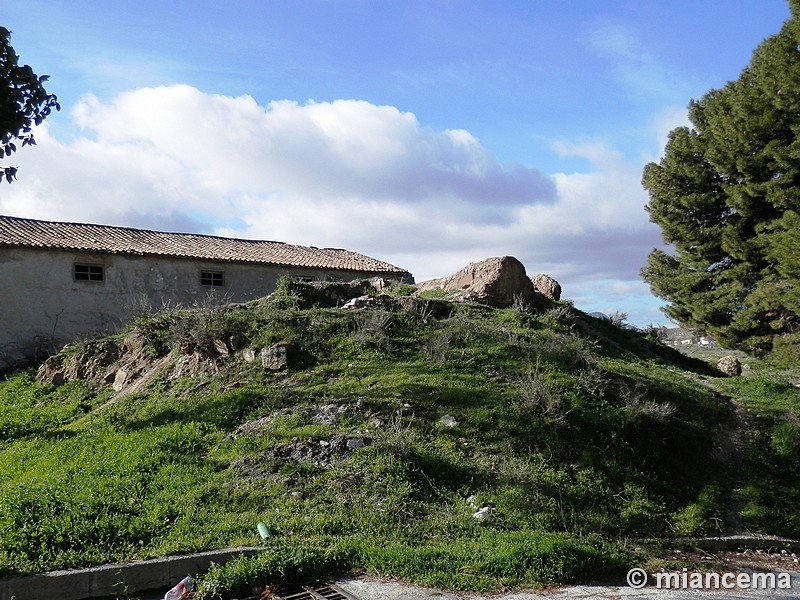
x: 39, y: 295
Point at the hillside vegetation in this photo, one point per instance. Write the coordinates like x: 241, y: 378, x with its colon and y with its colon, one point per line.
x: 390, y: 428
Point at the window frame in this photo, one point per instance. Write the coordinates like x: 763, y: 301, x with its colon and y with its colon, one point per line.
x: 212, y: 278
x: 87, y: 272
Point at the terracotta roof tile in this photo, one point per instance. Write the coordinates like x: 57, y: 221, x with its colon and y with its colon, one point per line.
x: 32, y: 233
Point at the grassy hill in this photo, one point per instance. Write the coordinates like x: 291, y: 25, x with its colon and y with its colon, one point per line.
x: 390, y: 428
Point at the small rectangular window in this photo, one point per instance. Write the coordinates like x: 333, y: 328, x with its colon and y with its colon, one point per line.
x: 212, y: 278
x: 89, y: 272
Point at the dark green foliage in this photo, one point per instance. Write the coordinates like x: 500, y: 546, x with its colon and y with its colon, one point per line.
x: 23, y: 102
x: 703, y: 517
x: 726, y: 195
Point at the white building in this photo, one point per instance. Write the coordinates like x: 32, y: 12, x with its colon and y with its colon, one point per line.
x: 64, y: 281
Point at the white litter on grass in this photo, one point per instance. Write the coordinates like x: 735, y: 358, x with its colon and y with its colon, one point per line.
x: 484, y: 514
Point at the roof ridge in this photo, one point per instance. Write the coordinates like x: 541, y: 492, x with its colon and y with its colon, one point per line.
x: 180, y: 233
x: 67, y: 235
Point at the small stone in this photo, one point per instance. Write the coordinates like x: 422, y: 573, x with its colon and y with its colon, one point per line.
x: 221, y: 348
x: 730, y: 366
x: 119, y: 380
x: 448, y: 421
x: 354, y: 443
x: 275, y: 357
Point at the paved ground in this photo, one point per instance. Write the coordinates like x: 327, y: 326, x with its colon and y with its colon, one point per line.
x: 385, y: 590
x: 376, y: 589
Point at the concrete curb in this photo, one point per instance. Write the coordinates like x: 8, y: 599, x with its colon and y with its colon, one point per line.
x: 145, y: 575
x: 109, y: 580
x: 746, y: 542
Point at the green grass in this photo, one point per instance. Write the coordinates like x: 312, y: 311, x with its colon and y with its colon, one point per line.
x: 769, y: 480
x: 578, y: 441
x: 484, y: 562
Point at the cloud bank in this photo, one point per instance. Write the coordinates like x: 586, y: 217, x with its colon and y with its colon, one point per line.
x: 345, y: 173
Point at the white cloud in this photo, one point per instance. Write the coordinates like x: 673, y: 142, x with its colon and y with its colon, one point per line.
x: 346, y: 173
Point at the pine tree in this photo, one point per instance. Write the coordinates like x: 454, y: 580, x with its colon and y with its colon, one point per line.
x: 726, y: 195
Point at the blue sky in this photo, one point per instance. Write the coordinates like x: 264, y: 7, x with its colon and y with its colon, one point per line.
x: 426, y: 133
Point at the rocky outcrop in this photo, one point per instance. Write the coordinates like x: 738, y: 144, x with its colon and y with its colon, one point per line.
x: 547, y: 286
x: 90, y: 362
x: 500, y: 281
x: 127, y: 366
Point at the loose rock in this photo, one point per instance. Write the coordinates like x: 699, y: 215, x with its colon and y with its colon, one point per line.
x: 547, y: 286
x: 448, y: 421
x: 355, y: 443
x: 275, y: 358
x: 730, y: 366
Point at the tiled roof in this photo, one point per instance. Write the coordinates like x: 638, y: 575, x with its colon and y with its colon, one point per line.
x: 30, y: 233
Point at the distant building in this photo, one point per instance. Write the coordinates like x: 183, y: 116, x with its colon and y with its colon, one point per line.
x: 64, y: 281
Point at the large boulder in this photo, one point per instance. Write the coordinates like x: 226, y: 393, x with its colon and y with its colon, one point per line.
x: 547, y: 286
x: 500, y: 281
